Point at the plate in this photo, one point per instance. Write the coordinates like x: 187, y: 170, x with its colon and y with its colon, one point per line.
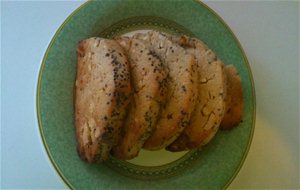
x: 212, y: 167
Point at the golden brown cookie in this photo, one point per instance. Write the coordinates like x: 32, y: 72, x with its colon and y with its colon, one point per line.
x: 182, y: 89
x: 234, y: 100
x: 149, y: 77
x: 102, y: 94
x: 210, y: 105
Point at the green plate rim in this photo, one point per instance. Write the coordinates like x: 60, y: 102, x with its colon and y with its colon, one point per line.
x: 57, y: 169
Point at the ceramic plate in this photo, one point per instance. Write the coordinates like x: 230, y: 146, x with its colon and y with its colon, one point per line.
x: 212, y: 167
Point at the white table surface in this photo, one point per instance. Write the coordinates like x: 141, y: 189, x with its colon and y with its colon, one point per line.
x: 269, y: 34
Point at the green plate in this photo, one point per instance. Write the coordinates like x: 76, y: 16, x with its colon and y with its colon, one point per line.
x: 212, y: 167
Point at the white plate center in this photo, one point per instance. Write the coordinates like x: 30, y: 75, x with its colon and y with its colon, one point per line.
x: 156, y: 158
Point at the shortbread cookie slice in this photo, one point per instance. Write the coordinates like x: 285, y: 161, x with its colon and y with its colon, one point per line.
x: 210, y: 106
x: 102, y: 94
x: 234, y: 99
x: 149, y: 77
x: 182, y: 89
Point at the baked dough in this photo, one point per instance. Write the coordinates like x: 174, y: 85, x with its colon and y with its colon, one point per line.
x: 234, y: 100
x: 210, y: 106
x: 182, y: 89
x: 149, y: 79
x: 102, y: 95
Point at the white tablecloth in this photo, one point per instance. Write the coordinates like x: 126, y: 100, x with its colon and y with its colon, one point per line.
x: 269, y: 33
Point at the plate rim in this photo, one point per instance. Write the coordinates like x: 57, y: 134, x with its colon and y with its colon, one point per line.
x: 45, y: 56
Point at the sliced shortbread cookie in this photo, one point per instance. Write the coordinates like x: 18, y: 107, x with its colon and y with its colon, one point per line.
x: 210, y: 106
x: 149, y: 78
x: 234, y: 103
x: 182, y: 89
x: 102, y: 94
